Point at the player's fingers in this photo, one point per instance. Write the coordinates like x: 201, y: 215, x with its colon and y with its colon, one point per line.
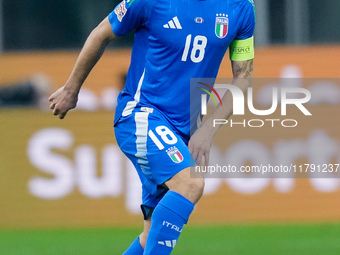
x: 190, y: 148
x: 206, y: 158
x: 194, y: 154
x: 52, y: 105
x: 199, y: 158
x: 62, y: 115
x: 56, y: 112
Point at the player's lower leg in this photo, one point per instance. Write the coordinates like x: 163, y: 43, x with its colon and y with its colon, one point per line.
x: 172, y: 212
x: 137, y: 246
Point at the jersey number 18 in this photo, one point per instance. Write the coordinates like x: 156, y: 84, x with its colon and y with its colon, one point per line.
x: 198, y: 49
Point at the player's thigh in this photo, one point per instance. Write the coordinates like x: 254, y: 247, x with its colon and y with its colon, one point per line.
x: 155, y: 148
x: 167, y: 153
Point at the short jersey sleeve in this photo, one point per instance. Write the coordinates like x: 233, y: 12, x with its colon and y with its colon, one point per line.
x: 247, y: 27
x: 129, y: 15
x: 242, y: 47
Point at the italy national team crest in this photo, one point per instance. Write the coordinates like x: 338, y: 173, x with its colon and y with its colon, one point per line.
x: 175, y: 154
x: 221, y: 25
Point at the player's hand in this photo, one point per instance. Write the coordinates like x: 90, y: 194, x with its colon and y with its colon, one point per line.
x: 62, y: 101
x: 200, y: 144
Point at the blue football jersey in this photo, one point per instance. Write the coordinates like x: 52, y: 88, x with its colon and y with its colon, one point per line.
x: 176, y: 40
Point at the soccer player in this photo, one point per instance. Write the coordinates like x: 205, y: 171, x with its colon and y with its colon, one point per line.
x: 175, y: 40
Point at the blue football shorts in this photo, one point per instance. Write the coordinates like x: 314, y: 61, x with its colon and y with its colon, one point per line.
x: 156, y: 149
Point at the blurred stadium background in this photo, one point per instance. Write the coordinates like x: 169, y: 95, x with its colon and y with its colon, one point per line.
x: 65, y: 188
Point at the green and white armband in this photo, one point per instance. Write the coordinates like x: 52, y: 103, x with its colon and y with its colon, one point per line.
x: 242, y: 50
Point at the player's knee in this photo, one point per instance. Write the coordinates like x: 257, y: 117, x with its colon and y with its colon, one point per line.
x: 196, y: 188
x: 192, y: 189
x: 184, y: 184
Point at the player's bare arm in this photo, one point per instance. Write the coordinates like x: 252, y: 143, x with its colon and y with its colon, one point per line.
x: 243, y: 69
x: 66, y: 97
x: 200, y: 143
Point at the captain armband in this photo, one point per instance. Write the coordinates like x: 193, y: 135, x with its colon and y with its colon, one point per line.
x: 242, y: 50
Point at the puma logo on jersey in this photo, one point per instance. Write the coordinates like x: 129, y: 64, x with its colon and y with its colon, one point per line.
x: 173, y: 24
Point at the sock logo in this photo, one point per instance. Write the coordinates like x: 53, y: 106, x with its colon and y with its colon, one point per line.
x: 168, y: 243
x: 172, y: 226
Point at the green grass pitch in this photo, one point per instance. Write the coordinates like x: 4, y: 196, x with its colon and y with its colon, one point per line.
x: 277, y: 239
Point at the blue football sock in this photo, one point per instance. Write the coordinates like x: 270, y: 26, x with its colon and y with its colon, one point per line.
x: 135, y: 248
x: 167, y: 221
